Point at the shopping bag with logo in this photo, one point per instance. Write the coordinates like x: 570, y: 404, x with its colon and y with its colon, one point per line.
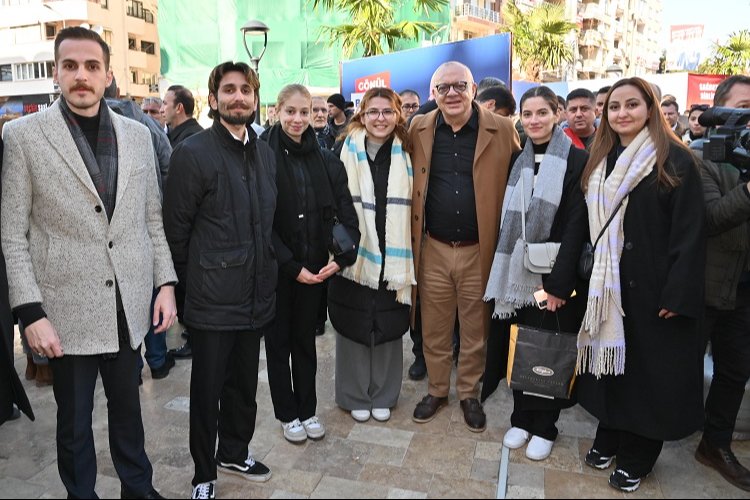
x: 542, y: 362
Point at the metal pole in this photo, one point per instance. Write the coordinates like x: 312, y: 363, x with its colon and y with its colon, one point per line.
x: 254, y: 65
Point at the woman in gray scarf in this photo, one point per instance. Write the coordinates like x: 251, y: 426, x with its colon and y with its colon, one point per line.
x: 545, y: 182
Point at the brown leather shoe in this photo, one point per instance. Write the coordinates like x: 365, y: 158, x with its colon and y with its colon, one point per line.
x: 428, y: 408
x: 30, y: 367
x: 43, y: 375
x: 474, y: 415
x: 725, y: 463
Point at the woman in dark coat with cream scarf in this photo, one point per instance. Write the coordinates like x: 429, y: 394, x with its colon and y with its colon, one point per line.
x: 640, y: 347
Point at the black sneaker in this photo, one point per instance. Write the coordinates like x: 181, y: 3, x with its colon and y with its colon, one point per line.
x: 205, y: 490
x: 163, y: 370
x: 597, y: 460
x: 621, y: 480
x: 249, y: 469
x: 184, y: 352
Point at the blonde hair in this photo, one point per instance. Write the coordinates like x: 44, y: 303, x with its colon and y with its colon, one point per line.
x: 291, y: 90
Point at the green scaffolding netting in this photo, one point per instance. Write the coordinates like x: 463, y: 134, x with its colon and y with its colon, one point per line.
x: 196, y: 35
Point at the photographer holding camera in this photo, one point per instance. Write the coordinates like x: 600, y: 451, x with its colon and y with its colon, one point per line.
x: 727, y: 321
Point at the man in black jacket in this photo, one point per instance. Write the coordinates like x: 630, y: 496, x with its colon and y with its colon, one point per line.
x: 11, y: 390
x: 178, y: 107
x: 218, y: 216
x: 727, y: 321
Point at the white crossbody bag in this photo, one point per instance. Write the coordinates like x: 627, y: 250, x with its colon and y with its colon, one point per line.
x: 538, y: 258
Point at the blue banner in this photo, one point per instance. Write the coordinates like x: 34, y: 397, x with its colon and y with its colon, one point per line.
x: 412, y: 69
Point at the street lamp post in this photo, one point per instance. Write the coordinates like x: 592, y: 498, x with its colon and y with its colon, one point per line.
x: 255, y: 27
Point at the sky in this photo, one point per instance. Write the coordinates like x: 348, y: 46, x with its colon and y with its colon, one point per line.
x: 720, y: 17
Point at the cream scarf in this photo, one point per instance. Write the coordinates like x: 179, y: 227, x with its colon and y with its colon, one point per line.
x: 601, y: 341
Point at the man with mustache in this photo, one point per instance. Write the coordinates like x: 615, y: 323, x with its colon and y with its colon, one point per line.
x: 581, y: 113
x: 219, y: 207
x: 84, y: 245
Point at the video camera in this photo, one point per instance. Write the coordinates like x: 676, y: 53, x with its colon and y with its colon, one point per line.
x: 728, y: 138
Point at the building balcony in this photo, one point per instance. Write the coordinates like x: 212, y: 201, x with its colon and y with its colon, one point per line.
x: 590, y: 38
x: 474, y: 13
x: 591, y: 11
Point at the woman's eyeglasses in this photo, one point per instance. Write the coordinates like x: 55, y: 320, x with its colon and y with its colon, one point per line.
x: 373, y: 114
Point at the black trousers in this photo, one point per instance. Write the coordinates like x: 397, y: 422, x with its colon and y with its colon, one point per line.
x: 729, y: 333
x: 415, y: 333
x: 293, y: 391
x: 73, y: 385
x: 537, y: 422
x: 223, y: 384
x: 635, y: 454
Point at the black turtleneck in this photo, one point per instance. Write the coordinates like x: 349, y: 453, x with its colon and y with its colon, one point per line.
x: 90, y: 127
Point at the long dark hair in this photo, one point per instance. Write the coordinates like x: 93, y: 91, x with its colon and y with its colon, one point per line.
x: 357, y: 122
x: 659, y: 130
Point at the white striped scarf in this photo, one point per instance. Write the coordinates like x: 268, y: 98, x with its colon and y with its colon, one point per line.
x: 601, y: 341
x: 398, y: 271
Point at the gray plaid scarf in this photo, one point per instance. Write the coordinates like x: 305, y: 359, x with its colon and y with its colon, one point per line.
x: 510, y: 285
x: 102, y: 165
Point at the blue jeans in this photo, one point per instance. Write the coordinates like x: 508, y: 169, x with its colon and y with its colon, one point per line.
x: 156, y: 344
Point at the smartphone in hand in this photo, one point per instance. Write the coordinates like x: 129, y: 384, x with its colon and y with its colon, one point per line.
x: 541, y: 299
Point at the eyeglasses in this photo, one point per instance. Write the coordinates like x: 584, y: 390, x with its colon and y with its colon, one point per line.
x: 373, y: 114
x: 320, y: 110
x: 444, y: 88
x: 409, y: 107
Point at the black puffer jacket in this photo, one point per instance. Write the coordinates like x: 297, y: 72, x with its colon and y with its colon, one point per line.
x: 357, y: 311
x: 218, y: 217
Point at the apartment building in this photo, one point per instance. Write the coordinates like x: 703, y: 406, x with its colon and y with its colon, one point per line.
x: 475, y: 18
x: 27, y: 32
x: 618, y: 37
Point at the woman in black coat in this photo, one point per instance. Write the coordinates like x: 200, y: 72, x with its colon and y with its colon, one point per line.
x: 546, y: 178
x: 313, y: 194
x: 640, y: 346
x: 369, y: 303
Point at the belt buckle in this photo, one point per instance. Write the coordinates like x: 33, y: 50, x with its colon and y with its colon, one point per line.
x: 455, y: 244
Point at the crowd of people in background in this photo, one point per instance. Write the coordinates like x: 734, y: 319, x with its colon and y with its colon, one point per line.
x: 406, y: 213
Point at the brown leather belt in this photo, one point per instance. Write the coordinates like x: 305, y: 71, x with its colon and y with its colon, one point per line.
x: 454, y: 244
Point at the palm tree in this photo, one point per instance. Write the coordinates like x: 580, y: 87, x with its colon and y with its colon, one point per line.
x: 733, y: 58
x: 373, y: 24
x: 539, y: 37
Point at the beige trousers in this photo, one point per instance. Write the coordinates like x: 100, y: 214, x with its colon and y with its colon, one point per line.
x: 450, y: 278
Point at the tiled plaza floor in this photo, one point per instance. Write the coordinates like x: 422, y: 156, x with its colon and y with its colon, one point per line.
x: 397, y: 459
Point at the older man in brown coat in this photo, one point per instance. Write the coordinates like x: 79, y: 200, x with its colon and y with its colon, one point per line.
x: 461, y: 162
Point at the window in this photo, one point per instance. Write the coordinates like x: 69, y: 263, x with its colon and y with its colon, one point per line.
x: 104, y: 4
x: 50, y: 30
x: 133, y: 76
x: 34, y: 71
x: 135, y: 9
x: 6, y: 72
x: 107, y: 35
x: 148, y: 16
x: 148, y: 47
x: 131, y: 44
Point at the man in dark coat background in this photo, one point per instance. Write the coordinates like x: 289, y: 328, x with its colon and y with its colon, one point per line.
x: 11, y: 392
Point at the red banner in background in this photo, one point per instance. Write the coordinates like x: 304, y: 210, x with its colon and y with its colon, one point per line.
x: 702, y: 88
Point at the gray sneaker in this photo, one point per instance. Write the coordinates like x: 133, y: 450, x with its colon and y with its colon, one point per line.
x: 294, y: 431
x: 313, y: 428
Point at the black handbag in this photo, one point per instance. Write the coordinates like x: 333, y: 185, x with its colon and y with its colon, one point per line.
x: 341, y: 240
x: 586, y: 262
x: 542, y: 362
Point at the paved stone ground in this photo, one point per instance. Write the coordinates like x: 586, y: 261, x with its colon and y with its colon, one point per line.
x: 397, y: 459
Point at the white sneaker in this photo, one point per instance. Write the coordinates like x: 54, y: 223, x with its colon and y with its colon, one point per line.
x: 313, y: 428
x: 205, y: 490
x: 381, y: 414
x: 515, y: 438
x: 294, y: 431
x: 361, y: 415
x: 539, y: 448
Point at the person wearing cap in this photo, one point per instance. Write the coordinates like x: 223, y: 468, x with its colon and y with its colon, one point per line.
x: 338, y: 114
